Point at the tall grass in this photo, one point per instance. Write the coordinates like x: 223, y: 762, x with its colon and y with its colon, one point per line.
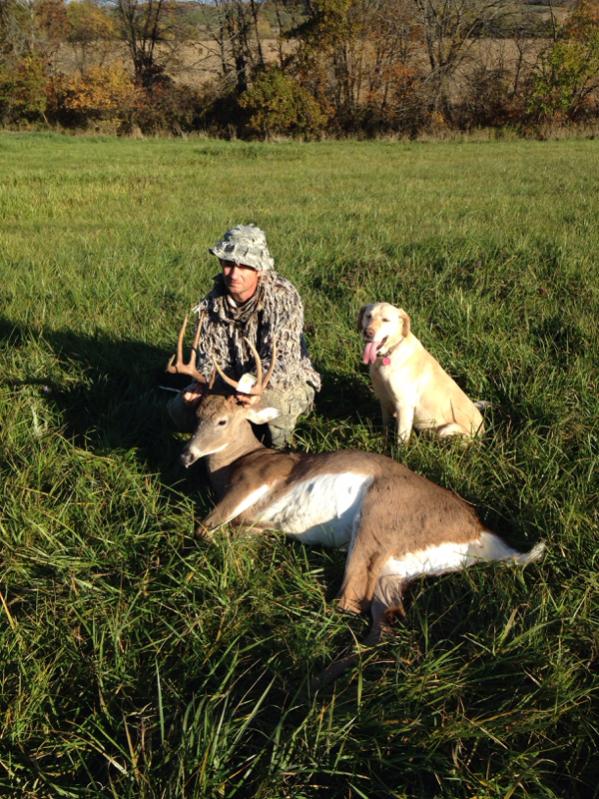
x: 137, y: 662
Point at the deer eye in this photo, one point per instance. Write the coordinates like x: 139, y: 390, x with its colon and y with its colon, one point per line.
x: 222, y: 422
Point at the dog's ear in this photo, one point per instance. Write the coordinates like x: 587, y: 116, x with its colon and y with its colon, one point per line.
x: 406, y: 323
x: 361, y: 313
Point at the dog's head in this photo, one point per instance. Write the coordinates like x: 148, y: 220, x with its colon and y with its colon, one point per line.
x: 382, y: 326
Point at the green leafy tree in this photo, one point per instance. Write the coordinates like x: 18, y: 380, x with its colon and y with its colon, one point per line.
x: 566, y: 84
x: 277, y: 103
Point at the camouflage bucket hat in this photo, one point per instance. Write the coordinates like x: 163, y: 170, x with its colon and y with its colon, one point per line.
x: 245, y: 244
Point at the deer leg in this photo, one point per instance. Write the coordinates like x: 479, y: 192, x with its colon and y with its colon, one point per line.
x: 358, y: 584
x: 373, y: 541
x: 381, y: 613
x: 362, y: 568
x: 388, y: 600
x: 237, y: 501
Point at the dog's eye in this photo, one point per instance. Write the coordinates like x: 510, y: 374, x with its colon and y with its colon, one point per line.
x: 385, y: 320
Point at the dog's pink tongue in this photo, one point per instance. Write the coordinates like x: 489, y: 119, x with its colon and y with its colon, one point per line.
x: 370, y: 352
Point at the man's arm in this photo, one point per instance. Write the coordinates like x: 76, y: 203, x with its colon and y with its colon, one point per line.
x: 283, y: 328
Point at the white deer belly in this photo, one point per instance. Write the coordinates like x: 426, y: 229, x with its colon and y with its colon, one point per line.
x: 319, y: 510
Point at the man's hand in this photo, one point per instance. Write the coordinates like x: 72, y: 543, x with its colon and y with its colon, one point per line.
x: 193, y: 393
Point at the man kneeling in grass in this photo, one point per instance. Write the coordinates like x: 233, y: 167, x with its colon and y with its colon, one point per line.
x: 249, y: 300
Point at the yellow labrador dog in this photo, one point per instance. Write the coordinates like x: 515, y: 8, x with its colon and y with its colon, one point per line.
x: 409, y: 383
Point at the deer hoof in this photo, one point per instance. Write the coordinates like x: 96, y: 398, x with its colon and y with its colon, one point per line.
x: 353, y: 606
x: 203, y: 532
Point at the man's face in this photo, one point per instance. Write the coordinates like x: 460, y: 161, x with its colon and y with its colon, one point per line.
x: 241, y: 281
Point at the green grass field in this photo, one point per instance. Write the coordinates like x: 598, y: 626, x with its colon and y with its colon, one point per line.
x: 137, y: 662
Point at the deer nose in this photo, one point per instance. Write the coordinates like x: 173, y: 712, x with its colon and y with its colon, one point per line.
x: 187, y: 458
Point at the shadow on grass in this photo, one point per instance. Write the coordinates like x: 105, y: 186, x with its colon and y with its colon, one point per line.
x: 346, y: 396
x: 108, y: 396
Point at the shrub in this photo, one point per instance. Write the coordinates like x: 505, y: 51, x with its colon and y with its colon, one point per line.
x: 23, y: 91
x: 98, y: 93
x: 566, y: 80
x: 277, y: 103
x: 489, y: 100
x: 167, y: 106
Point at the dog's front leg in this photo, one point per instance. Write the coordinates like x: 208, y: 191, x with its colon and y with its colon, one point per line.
x: 405, y: 421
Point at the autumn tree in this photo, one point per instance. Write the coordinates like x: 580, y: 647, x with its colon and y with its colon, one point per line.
x: 148, y: 28
x: 14, y: 21
x: 34, y: 28
x: 23, y: 90
x: 448, y: 29
x: 91, y: 32
x: 236, y: 28
x: 31, y: 33
x: 358, y: 57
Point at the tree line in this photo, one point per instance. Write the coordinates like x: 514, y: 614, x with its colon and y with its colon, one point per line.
x: 302, y: 67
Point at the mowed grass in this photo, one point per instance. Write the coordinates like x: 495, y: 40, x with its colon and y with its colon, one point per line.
x: 136, y: 661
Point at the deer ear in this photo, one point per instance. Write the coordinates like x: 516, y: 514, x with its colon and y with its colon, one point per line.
x: 407, y: 322
x: 361, y: 313
x: 261, y: 415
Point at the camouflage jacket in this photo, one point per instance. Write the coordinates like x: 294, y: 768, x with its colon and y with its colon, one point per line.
x: 274, y: 314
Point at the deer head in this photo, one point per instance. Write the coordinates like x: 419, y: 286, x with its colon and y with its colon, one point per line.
x: 223, y: 419
x: 223, y: 426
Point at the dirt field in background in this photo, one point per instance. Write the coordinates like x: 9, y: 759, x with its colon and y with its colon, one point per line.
x: 198, y: 64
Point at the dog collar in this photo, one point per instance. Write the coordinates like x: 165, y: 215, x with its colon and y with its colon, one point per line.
x: 384, y: 356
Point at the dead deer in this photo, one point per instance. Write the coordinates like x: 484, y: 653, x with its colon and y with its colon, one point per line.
x: 395, y: 525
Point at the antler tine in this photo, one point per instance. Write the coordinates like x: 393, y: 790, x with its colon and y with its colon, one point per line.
x: 178, y: 366
x: 171, y: 367
x: 258, y: 360
x: 261, y: 384
x: 271, y: 368
x: 228, y: 380
x: 196, y: 338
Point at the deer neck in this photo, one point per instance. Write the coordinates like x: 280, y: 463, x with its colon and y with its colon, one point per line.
x: 219, y: 463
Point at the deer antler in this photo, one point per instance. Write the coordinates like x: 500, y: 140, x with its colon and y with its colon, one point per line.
x: 260, y: 384
x: 179, y: 366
